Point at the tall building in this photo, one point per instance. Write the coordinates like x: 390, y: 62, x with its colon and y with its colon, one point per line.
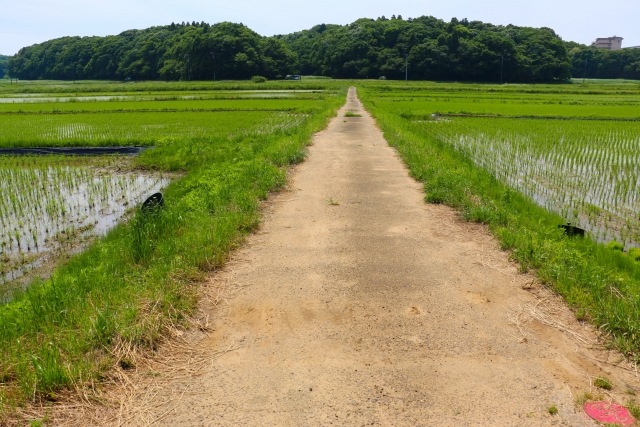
x: 609, y: 43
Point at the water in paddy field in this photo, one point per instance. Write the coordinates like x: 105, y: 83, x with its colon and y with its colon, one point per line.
x: 602, y: 198
x: 52, y: 210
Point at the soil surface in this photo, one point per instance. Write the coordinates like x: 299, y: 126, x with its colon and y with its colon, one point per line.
x: 359, y: 304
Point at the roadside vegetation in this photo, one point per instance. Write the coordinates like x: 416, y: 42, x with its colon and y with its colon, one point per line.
x: 126, y: 288
x: 525, y: 177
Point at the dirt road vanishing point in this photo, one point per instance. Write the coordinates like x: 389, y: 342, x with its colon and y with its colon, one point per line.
x: 359, y: 304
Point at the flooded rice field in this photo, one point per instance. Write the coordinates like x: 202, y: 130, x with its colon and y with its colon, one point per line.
x: 588, y: 175
x: 46, y: 211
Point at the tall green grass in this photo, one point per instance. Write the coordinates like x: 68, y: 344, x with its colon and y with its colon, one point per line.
x: 143, y: 275
x: 600, y: 282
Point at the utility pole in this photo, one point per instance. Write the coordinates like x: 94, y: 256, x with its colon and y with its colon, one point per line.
x: 213, y: 54
x: 502, y: 69
x: 406, y: 67
x: 585, y: 70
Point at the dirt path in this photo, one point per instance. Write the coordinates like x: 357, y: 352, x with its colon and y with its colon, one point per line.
x: 381, y: 310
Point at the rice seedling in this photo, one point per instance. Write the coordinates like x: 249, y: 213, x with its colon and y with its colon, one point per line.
x: 134, y: 128
x: 66, y: 201
x: 588, y: 173
x: 163, y: 89
x: 269, y: 101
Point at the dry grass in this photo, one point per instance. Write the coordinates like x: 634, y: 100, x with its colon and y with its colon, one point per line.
x: 139, y: 382
x: 550, y: 310
x: 547, y: 311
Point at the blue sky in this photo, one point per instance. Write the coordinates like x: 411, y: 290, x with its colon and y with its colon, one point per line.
x: 26, y: 22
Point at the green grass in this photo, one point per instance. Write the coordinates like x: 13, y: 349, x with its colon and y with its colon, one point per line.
x: 143, y: 275
x: 634, y: 409
x: 603, y: 284
x: 168, y: 103
x: 131, y: 88
x: 136, y: 128
x: 603, y: 383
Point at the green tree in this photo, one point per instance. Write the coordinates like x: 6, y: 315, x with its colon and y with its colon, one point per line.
x: 172, y: 52
x: 4, y: 65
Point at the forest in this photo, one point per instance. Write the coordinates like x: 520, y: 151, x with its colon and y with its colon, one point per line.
x: 433, y: 49
x: 426, y: 48
x: 173, y: 52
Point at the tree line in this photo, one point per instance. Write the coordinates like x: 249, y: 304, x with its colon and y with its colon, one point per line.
x: 594, y: 63
x: 187, y: 51
x: 433, y: 50
x: 367, y: 48
x: 4, y: 65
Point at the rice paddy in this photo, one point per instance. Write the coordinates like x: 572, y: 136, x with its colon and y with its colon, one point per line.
x: 523, y: 159
x: 134, y: 128
x: 47, y: 209
x: 587, y: 172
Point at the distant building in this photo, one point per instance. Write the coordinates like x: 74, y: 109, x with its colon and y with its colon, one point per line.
x: 609, y: 43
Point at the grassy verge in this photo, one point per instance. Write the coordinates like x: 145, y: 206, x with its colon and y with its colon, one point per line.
x: 601, y: 285
x: 143, y: 275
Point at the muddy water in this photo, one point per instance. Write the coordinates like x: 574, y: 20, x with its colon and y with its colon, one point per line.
x: 48, y: 211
